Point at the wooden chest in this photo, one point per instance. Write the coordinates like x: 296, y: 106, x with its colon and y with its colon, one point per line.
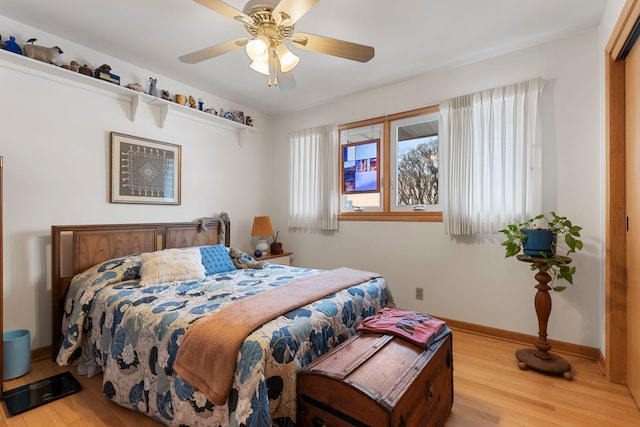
x: 377, y: 380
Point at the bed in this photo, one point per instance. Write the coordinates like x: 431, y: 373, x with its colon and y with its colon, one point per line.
x: 107, y: 318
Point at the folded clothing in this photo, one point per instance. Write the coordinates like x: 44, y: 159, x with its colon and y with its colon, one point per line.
x: 412, y: 326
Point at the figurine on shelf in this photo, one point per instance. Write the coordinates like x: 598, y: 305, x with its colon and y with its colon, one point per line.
x: 50, y: 55
x: 103, y: 72
x: 248, y: 121
x: 180, y: 99
x: 86, y: 70
x: 200, y: 104
x: 211, y: 111
x: 192, y: 102
x: 164, y: 94
x: 74, y: 66
x: 153, y: 90
x: 2, y: 44
x: 105, y: 68
x: 238, y: 116
x: 12, y: 46
x: 135, y: 86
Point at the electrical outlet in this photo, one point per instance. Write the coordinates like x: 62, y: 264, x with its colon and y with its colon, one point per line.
x: 419, y: 293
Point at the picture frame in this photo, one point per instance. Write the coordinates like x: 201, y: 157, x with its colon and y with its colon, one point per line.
x: 360, y: 167
x: 145, y: 171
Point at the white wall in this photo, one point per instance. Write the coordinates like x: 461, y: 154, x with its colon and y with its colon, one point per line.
x: 468, y: 279
x: 55, y: 141
x: 609, y: 19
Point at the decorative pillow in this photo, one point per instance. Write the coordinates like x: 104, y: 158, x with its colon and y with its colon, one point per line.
x: 216, y: 259
x: 171, y: 265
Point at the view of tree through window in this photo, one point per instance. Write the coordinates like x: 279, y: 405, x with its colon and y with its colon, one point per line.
x: 414, y: 150
x: 418, y: 171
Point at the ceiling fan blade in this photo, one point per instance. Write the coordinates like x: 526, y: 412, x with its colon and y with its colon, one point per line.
x: 227, y: 10
x: 294, y: 9
x: 213, y: 51
x: 286, y: 80
x: 334, y: 47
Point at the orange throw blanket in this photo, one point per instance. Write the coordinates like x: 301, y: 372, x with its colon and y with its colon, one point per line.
x: 209, y: 349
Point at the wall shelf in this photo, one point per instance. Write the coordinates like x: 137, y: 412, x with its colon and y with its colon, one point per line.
x: 166, y: 108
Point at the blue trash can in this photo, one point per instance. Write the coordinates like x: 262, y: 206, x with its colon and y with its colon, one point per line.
x: 16, y: 354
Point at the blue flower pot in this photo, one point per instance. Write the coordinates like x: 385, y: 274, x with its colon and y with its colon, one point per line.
x: 539, y: 243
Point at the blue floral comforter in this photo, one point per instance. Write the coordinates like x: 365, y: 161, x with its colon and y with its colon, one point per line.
x: 133, y: 333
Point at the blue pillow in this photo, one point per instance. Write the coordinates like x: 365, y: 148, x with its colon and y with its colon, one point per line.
x: 216, y: 259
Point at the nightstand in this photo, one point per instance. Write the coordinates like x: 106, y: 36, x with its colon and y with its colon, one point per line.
x: 283, y: 259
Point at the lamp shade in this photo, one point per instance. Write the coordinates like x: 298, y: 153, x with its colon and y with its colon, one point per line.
x: 262, y: 226
x: 261, y: 67
x: 258, y: 48
x: 288, y: 60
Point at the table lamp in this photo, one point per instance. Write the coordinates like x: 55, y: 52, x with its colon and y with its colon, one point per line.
x: 261, y: 228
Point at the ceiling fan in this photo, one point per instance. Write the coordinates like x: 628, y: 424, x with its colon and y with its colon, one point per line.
x: 270, y: 23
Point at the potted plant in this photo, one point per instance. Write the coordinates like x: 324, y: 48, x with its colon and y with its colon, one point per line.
x: 540, y: 242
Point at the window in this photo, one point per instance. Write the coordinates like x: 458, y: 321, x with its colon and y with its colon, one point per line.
x: 350, y: 140
x: 401, y: 153
x: 414, y: 157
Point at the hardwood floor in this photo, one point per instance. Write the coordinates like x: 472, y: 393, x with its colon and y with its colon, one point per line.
x: 489, y: 390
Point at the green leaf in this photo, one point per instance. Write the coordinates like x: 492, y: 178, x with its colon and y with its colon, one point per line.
x: 512, y: 250
x: 559, y: 288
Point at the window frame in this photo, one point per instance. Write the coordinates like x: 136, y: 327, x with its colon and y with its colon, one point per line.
x: 386, y: 214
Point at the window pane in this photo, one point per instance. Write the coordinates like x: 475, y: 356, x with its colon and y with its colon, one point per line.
x: 359, y: 201
x: 415, y: 158
x: 365, y: 200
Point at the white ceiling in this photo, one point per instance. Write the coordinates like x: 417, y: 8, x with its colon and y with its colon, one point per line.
x: 410, y: 37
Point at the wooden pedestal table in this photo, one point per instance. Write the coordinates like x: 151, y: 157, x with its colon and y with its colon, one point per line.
x: 540, y: 359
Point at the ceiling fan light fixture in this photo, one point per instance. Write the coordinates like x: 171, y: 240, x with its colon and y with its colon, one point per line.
x: 260, y: 67
x: 258, y: 48
x: 288, y: 60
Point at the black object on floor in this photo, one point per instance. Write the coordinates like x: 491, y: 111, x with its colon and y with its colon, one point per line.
x: 38, y: 393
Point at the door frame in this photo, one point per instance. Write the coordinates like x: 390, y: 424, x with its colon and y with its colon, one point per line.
x: 622, y: 39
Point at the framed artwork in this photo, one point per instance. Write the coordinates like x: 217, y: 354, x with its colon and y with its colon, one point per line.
x: 144, y: 171
x: 360, y: 171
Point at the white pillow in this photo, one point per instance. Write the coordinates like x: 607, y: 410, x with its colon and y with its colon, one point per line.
x: 171, y: 265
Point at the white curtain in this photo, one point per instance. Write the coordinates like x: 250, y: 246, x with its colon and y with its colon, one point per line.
x: 313, y: 194
x: 490, y: 144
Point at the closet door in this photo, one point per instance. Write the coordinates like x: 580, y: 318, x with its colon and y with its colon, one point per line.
x: 632, y: 155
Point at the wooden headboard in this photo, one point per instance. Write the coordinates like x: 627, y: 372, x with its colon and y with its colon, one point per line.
x: 75, y: 248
